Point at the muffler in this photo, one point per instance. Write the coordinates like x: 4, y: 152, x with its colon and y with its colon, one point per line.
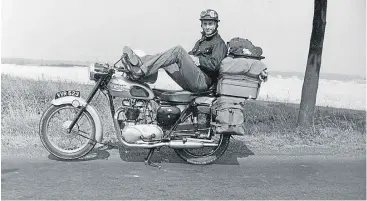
x: 186, y: 145
x: 189, y: 145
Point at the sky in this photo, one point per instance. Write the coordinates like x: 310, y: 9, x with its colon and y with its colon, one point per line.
x: 97, y: 30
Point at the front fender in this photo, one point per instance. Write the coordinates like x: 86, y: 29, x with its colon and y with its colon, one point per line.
x: 92, y: 111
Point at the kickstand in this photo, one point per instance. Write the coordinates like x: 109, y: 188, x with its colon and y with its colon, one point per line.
x: 147, y: 159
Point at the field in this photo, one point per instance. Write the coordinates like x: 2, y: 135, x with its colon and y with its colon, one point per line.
x: 280, y: 87
x: 270, y: 125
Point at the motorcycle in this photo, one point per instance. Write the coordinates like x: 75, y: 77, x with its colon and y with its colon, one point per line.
x: 143, y: 118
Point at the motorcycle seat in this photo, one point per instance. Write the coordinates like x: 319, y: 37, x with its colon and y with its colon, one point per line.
x: 180, y: 96
x: 174, y: 95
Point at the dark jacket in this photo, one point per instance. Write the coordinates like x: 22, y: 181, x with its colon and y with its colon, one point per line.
x: 210, y: 51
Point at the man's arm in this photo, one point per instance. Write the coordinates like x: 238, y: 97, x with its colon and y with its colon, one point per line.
x: 211, y: 62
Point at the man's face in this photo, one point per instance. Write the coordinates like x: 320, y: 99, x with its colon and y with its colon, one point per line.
x: 208, y: 26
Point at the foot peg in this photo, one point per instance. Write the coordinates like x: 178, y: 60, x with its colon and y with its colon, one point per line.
x: 147, y: 159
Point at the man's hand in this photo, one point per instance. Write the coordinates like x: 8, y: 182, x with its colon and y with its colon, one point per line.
x: 195, y: 59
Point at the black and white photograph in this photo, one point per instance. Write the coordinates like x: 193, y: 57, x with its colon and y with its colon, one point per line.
x: 183, y: 100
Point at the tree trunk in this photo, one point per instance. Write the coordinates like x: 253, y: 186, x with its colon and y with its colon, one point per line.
x: 311, y: 80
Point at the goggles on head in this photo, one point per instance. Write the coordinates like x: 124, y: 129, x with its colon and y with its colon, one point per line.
x: 210, y: 13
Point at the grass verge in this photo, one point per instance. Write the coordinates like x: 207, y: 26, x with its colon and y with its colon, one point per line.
x: 269, y: 124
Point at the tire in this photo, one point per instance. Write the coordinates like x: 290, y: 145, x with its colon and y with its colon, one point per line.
x: 209, y: 154
x: 191, y: 158
x: 47, y: 132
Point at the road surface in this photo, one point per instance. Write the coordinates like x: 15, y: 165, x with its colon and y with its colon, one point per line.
x: 116, y: 174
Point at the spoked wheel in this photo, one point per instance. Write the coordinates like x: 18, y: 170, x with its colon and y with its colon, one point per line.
x: 55, y: 138
x: 205, y: 155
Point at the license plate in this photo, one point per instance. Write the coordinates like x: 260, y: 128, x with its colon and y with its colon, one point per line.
x: 67, y: 93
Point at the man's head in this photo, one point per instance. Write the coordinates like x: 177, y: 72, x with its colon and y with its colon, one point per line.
x: 209, y: 21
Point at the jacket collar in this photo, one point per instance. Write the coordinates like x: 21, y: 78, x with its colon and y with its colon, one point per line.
x: 204, y: 37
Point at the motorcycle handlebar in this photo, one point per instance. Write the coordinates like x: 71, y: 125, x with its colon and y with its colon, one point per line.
x: 120, y: 68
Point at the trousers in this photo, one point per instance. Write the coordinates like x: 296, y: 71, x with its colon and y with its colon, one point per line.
x: 179, y: 66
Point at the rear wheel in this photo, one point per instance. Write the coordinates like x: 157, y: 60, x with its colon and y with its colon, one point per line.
x: 205, y: 155
x: 56, y: 139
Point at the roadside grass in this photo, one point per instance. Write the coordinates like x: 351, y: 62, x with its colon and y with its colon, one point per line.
x: 271, y: 123
x: 268, y: 123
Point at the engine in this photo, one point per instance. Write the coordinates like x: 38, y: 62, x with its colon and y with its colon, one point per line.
x: 140, y: 120
x: 136, y: 121
x: 134, y: 111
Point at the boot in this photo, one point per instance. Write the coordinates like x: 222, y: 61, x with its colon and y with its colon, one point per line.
x: 135, y: 63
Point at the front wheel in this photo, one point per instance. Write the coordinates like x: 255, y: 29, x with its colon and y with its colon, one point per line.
x: 205, y: 155
x: 55, y: 138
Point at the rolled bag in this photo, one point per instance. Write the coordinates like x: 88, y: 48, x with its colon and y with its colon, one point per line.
x: 242, y: 66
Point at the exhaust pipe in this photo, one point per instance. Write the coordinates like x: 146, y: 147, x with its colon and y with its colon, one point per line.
x: 144, y: 145
x: 175, y: 144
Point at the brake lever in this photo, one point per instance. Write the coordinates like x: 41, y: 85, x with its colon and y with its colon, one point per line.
x: 120, y: 68
x: 114, y: 65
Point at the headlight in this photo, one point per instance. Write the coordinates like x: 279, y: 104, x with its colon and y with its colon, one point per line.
x: 95, y: 70
x: 91, y: 71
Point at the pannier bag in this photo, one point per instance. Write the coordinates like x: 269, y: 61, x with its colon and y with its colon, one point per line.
x: 229, y: 116
x: 238, y: 86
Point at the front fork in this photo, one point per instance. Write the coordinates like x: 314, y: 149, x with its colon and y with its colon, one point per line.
x: 89, y: 98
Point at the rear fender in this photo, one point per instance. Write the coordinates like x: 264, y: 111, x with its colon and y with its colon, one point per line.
x: 92, y: 111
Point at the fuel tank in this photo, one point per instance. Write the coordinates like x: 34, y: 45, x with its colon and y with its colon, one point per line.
x: 120, y: 86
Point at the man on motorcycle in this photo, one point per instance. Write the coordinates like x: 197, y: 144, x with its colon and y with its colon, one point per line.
x: 196, y: 70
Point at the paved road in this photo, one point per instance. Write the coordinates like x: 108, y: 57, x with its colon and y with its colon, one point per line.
x: 113, y: 174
